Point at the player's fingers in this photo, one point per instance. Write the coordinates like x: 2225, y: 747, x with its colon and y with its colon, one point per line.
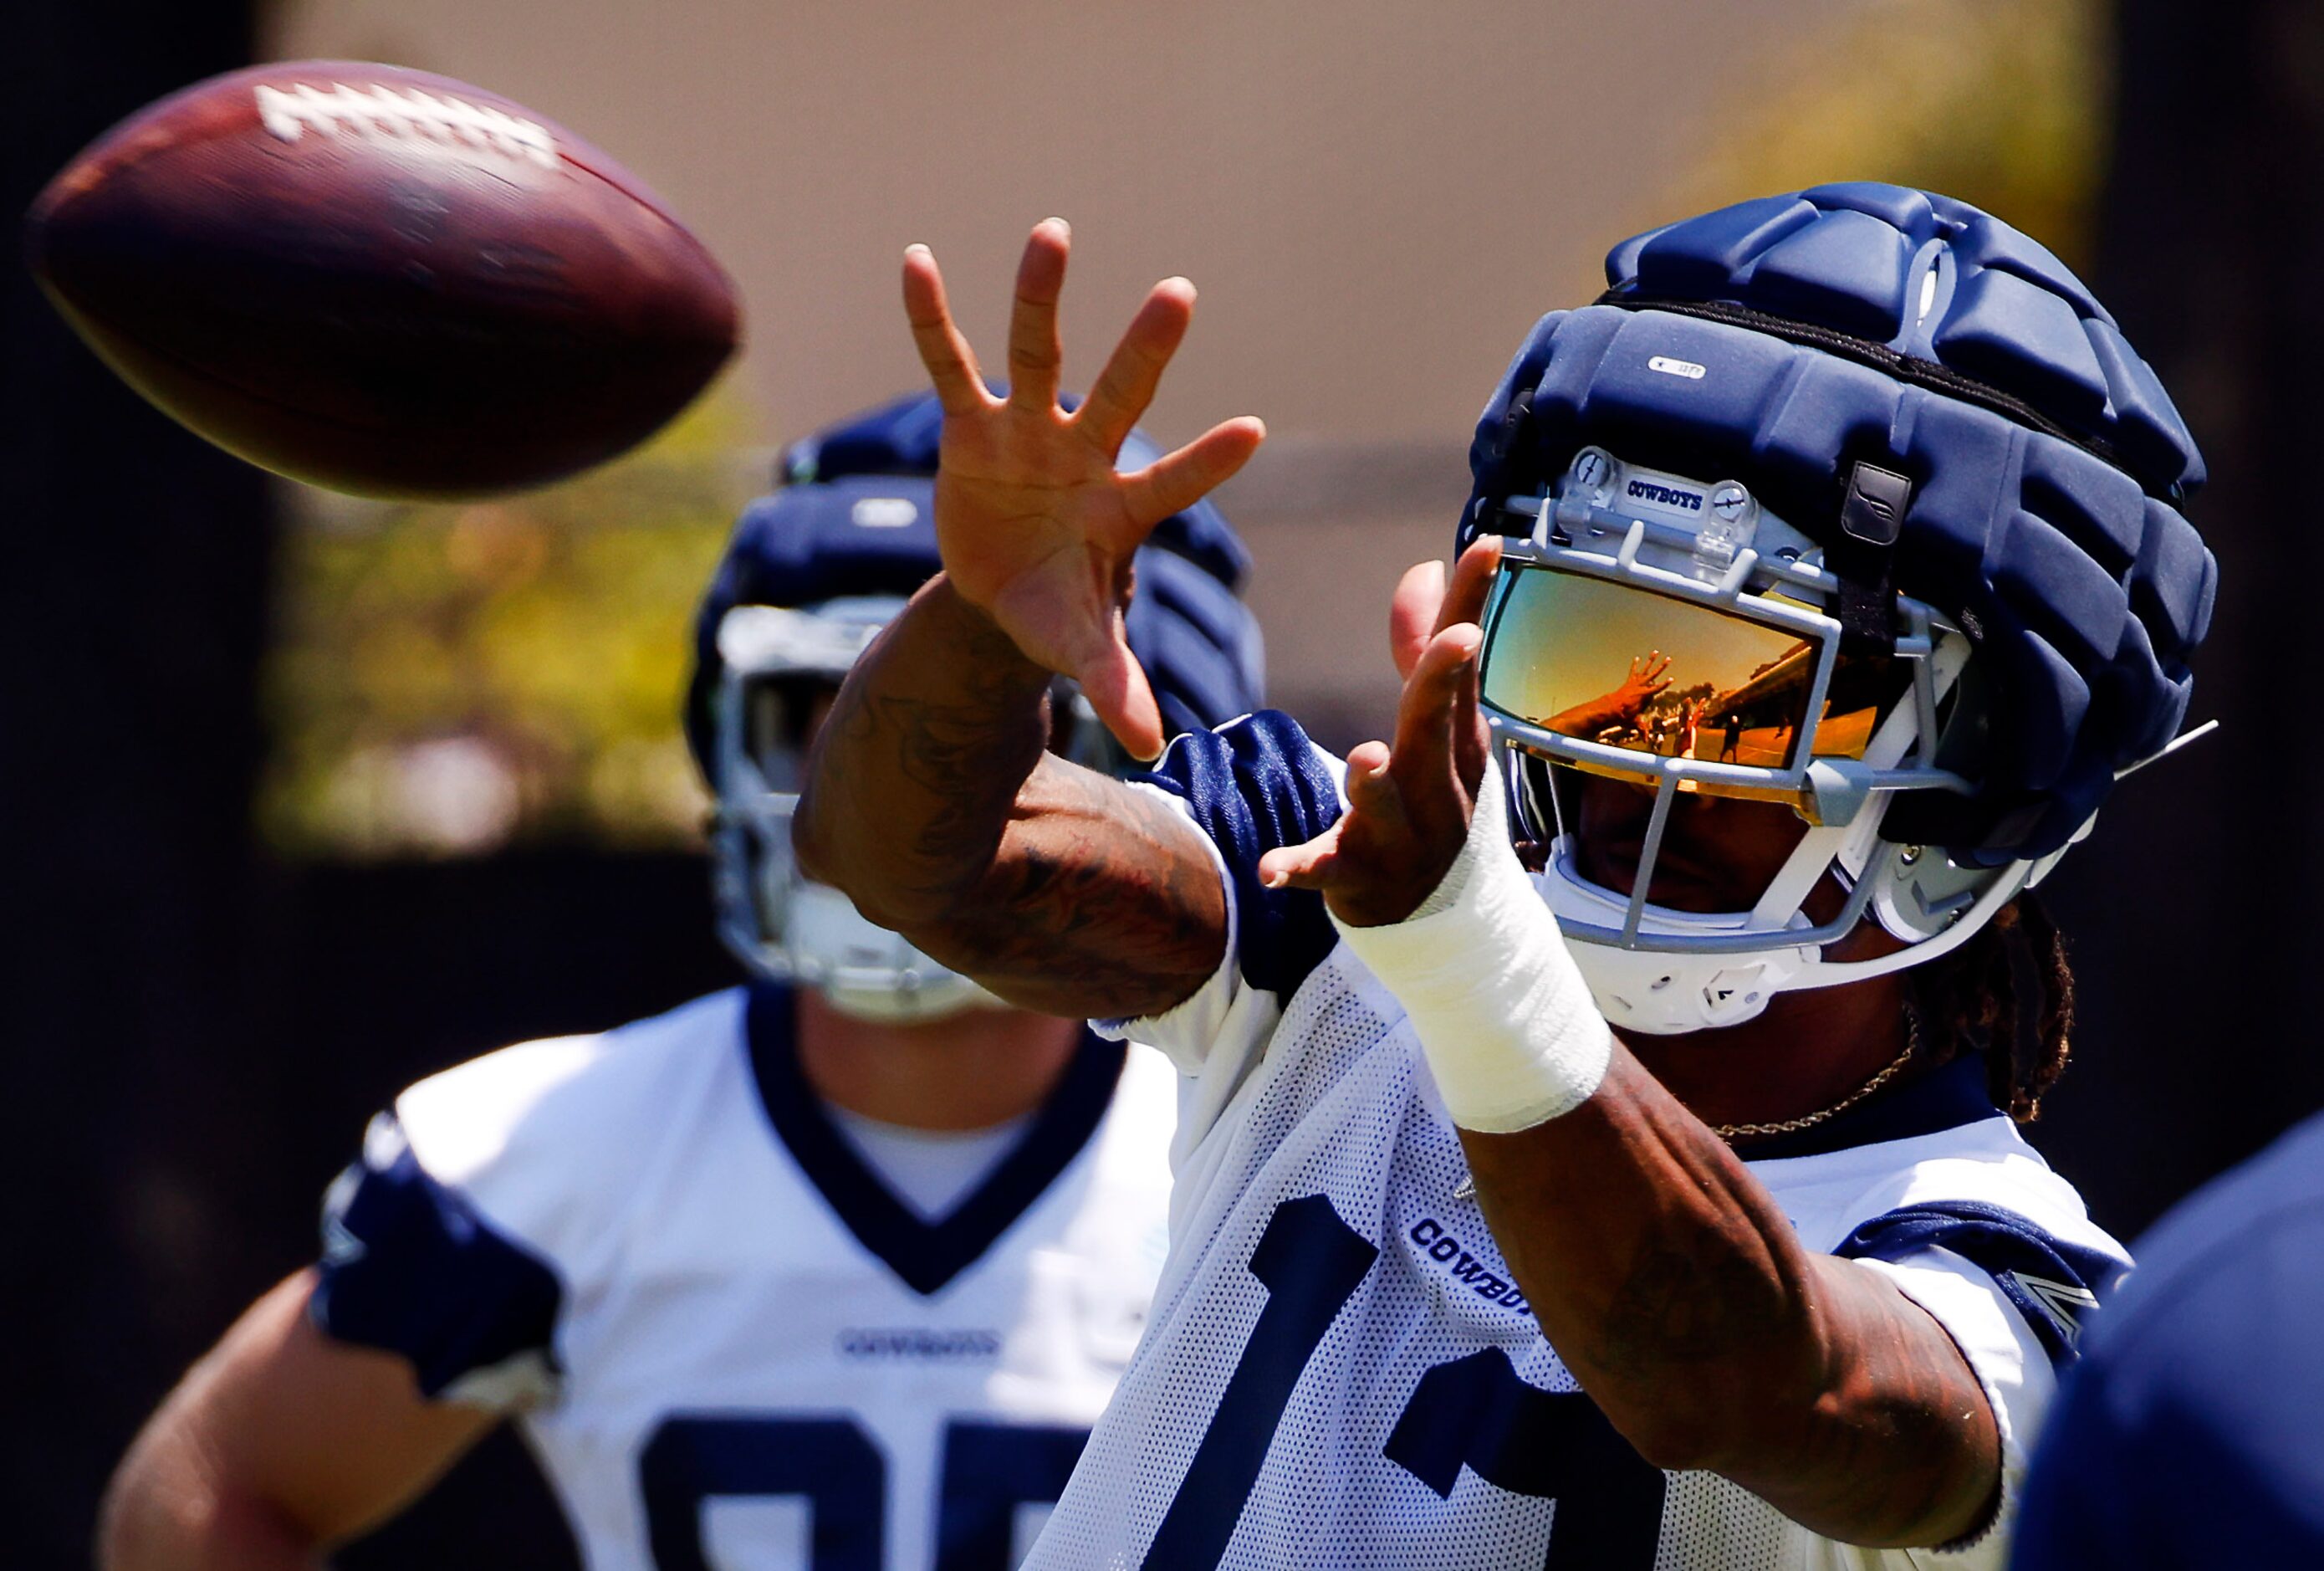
x: 1036, y: 349
x: 1175, y: 483
x: 1473, y: 578
x: 1373, y: 799
x: 1368, y: 765
x: 1473, y: 741
x: 943, y: 350
x: 1431, y: 704
x: 1126, y: 386
x: 1411, y: 612
x: 1116, y: 686
x: 1308, y: 865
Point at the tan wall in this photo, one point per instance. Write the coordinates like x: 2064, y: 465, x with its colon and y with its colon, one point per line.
x: 1376, y: 198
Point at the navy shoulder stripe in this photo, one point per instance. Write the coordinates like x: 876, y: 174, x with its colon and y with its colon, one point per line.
x: 409, y: 1267
x: 2055, y: 1285
x: 1255, y: 785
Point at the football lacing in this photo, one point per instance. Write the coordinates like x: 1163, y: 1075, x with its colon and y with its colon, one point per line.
x: 345, y: 110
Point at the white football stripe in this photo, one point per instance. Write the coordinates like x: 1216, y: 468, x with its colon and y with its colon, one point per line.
x: 353, y: 111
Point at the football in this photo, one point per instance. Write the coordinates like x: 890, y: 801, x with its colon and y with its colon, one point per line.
x: 382, y: 282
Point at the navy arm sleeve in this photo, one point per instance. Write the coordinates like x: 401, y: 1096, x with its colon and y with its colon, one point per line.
x: 1253, y: 786
x: 409, y: 1267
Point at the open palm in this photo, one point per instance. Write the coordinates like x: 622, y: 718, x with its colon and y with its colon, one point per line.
x: 1034, y: 526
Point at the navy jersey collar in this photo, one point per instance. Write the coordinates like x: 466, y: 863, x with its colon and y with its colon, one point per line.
x: 1944, y: 1098
x: 925, y: 1255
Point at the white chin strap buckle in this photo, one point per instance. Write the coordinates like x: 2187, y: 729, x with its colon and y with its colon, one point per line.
x: 865, y: 970
x: 1665, y: 994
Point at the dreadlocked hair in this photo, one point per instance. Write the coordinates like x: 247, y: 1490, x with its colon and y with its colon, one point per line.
x: 2009, y: 993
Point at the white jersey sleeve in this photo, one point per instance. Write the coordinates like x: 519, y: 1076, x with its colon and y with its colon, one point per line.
x: 461, y: 1236
x: 1977, y: 1229
x: 2009, y: 1365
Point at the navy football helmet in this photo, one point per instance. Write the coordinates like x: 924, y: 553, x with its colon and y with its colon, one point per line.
x: 1854, y: 499
x: 813, y: 571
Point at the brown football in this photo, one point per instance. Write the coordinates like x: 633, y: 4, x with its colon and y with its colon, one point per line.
x: 381, y: 281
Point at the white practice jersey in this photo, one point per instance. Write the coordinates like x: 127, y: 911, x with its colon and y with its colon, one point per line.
x: 726, y: 1341
x: 1341, y: 1372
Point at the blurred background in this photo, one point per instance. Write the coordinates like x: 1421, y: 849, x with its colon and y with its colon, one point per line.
x: 305, y: 798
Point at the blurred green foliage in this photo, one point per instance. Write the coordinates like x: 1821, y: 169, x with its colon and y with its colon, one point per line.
x: 446, y: 679
x: 2002, y: 102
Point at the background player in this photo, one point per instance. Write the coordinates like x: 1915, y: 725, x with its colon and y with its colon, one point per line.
x: 877, y: 1248
x: 1767, y: 435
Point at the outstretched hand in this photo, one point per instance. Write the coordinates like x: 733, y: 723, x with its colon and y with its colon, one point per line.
x: 1408, y: 804
x: 1645, y: 681
x: 1034, y: 525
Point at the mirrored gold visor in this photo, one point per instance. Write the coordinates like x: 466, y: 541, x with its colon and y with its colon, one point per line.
x: 1627, y: 668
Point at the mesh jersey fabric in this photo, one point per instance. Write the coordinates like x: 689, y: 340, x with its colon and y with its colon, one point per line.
x: 1340, y: 1371
x: 736, y: 1367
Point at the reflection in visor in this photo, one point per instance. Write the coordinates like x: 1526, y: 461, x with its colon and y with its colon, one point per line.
x: 1624, y: 667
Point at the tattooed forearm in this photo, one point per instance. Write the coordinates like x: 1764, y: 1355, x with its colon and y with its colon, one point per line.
x: 963, y: 764
x: 1711, y: 1297
x: 1684, y: 1302
x: 917, y: 768
x: 933, y: 803
x: 1094, y: 893
x: 1871, y: 1438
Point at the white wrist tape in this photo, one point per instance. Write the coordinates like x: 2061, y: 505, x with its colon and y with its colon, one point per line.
x: 1508, y: 1026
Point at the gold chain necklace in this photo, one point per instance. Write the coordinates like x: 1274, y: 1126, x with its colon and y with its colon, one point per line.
x: 1468, y: 1184
x: 1730, y: 1132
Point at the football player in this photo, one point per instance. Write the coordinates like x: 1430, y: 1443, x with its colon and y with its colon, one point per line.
x: 2186, y: 1435
x: 830, y: 1271
x: 1600, y: 1153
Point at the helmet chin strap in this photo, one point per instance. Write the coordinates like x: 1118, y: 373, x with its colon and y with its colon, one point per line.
x: 865, y: 971
x: 875, y: 1006
x: 1664, y: 992
x: 1669, y: 993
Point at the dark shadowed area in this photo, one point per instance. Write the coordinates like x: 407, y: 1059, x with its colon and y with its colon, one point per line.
x: 2193, y: 925
x: 133, y: 615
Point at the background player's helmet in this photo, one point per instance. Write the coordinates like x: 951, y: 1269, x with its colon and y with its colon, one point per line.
x: 1888, y: 512
x: 813, y: 571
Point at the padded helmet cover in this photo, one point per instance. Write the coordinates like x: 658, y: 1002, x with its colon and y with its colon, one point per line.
x: 1867, y: 322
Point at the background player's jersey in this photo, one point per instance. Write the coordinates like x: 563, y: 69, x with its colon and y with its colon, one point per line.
x: 1341, y: 1372
x: 728, y: 1344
